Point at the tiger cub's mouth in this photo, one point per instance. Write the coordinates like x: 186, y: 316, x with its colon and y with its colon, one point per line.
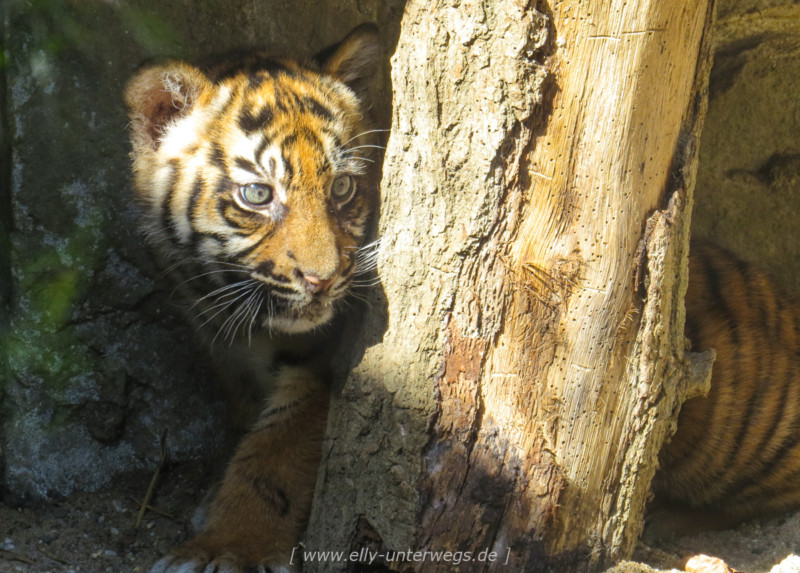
x: 299, y: 301
x: 301, y: 314
x: 305, y: 304
x: 240, y: 306
x: 235, y: 299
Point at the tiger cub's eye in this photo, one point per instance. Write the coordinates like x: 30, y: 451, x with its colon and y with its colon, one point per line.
x: 256, y: 194
x: 343, y: 189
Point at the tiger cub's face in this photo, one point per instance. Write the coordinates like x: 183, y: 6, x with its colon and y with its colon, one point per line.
x: 256, y: 183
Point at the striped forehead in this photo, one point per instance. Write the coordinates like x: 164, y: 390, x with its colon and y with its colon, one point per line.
x: 308, y: 152
x: 253, y: 156
x: 302, y: 152
x: 282, y: 125
x: 267, y: 99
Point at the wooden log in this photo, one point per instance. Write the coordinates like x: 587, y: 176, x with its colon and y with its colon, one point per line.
x: 529, y: 359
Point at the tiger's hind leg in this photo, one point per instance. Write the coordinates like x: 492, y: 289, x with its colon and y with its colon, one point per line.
x: 265, y: 497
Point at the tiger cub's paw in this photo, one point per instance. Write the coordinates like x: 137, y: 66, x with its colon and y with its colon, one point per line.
x: 206, y: 555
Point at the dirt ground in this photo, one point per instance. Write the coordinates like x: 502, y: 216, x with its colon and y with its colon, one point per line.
x: 96, y: 532
x: 754, y: 547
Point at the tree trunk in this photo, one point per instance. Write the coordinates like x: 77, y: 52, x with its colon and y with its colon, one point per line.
x: 514, y: 392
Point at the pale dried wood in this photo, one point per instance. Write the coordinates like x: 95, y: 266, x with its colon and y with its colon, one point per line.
x: 605, y: 365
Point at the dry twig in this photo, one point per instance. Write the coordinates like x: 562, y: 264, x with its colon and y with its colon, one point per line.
x: 163, y: 455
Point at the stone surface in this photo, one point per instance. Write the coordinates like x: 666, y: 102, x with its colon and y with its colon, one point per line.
x: 748, y: 181
x: 95, y: 361
x: 100, y: 365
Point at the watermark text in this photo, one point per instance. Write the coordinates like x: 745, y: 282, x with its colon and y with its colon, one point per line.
x: 369, y: 557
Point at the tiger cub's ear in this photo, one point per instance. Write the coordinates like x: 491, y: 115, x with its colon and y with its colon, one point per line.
x: 159, y: 94
x: 355, y: 59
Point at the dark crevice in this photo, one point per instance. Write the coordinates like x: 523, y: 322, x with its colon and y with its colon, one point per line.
x: 5, y: 178
x: 5, y: 227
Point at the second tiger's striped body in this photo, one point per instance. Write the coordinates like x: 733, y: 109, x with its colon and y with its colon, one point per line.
x: 736, y: 452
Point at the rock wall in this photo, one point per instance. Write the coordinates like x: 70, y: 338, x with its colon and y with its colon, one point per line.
x: 748, y: 182
x: 95, y: 362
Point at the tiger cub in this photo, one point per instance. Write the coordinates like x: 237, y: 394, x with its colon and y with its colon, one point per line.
x: 257, y: 187
x: 736, y: 452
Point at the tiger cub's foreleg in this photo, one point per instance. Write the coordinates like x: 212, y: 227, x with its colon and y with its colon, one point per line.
x: 265, y: 497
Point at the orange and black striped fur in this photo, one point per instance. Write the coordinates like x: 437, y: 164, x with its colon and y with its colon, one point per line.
x: 257, y: 187
x: 736, y: 452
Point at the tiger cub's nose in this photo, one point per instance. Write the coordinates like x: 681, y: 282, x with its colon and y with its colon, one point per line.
x: 313, y: 283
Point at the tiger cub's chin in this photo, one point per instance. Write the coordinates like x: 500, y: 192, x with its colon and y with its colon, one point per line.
x: 303, y: 321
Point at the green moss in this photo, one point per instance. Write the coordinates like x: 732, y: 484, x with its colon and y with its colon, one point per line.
x: 41, y: 344
x: 151, y: 31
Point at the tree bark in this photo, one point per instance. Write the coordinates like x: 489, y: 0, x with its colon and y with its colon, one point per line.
x: 528, y: 362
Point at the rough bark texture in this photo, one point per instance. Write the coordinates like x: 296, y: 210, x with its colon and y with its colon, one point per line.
x: 536, y: 189
x: 99, y: 362
x: 463, y: 102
